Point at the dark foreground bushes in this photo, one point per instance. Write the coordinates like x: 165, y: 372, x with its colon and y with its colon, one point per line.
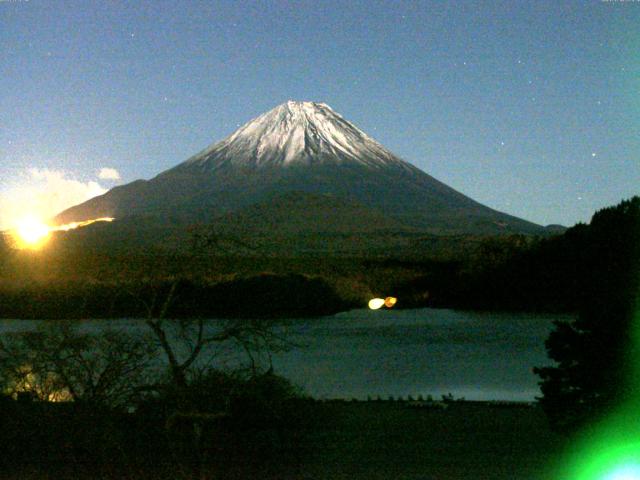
x: 335, y: 440
x: 255, y: 424
x: 125, y: 401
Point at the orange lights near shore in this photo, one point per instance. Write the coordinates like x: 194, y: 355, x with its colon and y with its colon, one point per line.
x: 389, y: 302
x: 378, y: 303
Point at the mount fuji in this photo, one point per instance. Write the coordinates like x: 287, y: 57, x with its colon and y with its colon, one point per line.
x: 302, y: 167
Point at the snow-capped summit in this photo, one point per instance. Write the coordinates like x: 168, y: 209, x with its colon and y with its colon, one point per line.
x: 295, y: 133
x: 301, y: 157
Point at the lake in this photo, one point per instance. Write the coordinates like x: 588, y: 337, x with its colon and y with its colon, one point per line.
x: 479, y: 356
x: 365, y: 353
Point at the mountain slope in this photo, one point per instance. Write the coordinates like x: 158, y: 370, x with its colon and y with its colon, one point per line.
x: 308, y: 213
x: 291, y: 134
x: 300, y: 147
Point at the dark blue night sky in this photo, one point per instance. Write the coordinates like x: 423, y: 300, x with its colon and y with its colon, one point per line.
x: 529, y: 107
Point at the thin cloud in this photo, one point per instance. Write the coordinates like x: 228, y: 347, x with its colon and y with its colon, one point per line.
x: 43, y: 193
x: 109, y: 174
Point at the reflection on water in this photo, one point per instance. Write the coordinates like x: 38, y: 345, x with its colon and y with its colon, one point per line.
x: 419, y: 352
x: 386, y: 353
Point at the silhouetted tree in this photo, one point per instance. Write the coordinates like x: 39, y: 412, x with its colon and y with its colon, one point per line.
x: 593, y: 354
x: 184, y: 341
x: 57, y: 362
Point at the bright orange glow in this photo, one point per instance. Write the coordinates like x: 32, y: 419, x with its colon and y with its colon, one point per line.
x: 390, y: 301
x: 45, y: 388
x: 30, y: 232
x: 33, y: 233
x: 73, y: 225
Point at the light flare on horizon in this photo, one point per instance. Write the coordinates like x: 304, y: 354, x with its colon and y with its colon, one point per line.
x: 33, y: 233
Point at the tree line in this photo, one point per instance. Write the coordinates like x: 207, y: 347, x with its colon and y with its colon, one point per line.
x: 262, y: 295
x: 595, y: 356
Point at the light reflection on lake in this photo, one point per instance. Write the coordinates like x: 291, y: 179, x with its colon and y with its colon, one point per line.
x: 405, y: 352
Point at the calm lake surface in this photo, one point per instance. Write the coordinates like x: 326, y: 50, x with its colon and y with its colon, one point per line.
x: 361, y: 353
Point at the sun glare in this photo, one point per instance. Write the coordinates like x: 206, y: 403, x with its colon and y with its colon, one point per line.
x: 30, y: 232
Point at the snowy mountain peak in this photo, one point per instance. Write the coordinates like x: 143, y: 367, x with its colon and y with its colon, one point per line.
x: 303, y: 167
x: 296, y: 133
